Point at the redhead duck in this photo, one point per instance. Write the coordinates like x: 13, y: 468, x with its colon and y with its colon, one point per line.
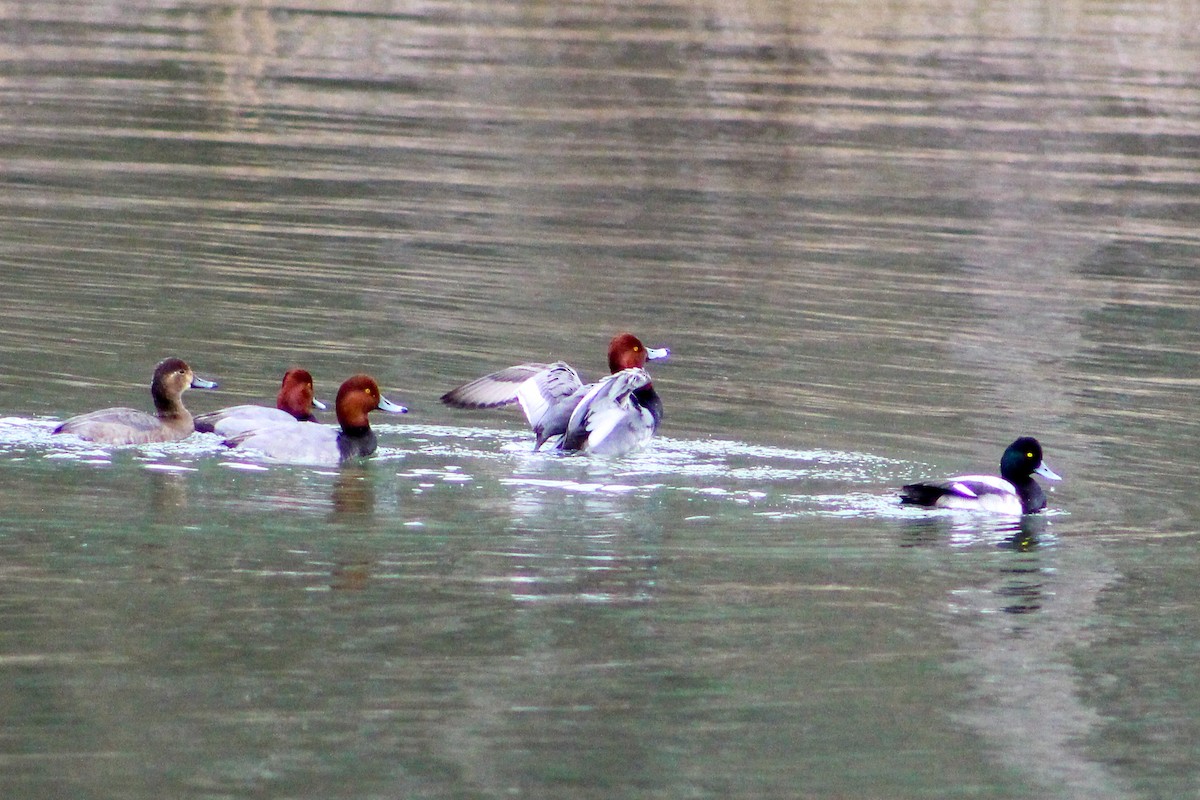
x: 551, y: 394
x: 297, y: 442
x: 1015, y: 493
x: 169, y: 422
x: 295, y: 401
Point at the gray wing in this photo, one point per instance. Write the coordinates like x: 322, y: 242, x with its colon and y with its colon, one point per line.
x: 492, y: 391
x: 130, y: 417
x: 549, y: 398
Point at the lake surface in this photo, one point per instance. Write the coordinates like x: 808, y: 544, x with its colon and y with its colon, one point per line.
x: 882, y: 241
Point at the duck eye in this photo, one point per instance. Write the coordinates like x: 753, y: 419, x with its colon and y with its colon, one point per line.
x: 1029, y: 455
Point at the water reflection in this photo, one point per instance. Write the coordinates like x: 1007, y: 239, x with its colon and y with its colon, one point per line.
x: 353, y: 494
x: 923, y: 528
x: 351, y: 576
x: 1028, y: 688
x: 871, y: 234
x: 1031, y: 605
x: 168, y: 494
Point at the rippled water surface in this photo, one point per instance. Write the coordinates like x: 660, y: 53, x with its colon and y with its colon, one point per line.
x: 881, y: 241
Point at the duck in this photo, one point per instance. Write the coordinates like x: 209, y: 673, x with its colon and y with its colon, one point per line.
x: 295, y: 401
x: 170, y: 421
x: 612, y: 422
x: 609, y: 419
x: 295, y: 442
x: 1014, y: 493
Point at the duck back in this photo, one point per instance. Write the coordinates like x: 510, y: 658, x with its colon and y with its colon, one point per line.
x: 127, y: 426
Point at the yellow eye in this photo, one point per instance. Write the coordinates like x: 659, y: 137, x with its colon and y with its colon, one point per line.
x: 1029, y: 455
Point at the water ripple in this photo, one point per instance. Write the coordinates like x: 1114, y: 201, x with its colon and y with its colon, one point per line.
x: 774, y: 483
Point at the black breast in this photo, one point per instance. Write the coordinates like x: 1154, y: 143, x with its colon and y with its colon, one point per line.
x: 648, y: 399
x: 356, y: 442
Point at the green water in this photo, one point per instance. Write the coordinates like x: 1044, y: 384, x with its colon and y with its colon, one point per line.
x: 880, y: 242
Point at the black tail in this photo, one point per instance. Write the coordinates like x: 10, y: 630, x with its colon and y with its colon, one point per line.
x: 920, y: 494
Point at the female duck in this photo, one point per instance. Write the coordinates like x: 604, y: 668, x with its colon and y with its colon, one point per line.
x: 617, y: 418
x: 295, y: 401
x: 170, y: 421
x: 295, y: 442
x: 1016, y: 492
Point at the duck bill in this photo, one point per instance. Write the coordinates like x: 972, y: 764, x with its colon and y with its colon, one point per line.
x: 200, y: 383
x: 657, y: 353
x: 390, y: 407
x: 1047, y: 473
x: 317, y: 404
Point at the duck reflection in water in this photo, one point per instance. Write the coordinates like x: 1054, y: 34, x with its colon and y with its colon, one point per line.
x: 1021, y: 589
x: 351, y: 576
x: 168, y: 494
x: 959, y: 530
x: 353, y: 494
x: 353, y: 503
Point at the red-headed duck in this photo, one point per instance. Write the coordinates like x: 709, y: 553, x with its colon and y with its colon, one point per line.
x: 1015, y: 493
x: 169, y: 422
x: 621, y: 413
x: 295, y: 401
x: 297, y: 442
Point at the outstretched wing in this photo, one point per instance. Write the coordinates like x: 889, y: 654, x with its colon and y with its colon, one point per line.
x: 547, y: 393
x: 494, y: 390
x: 548, y: 399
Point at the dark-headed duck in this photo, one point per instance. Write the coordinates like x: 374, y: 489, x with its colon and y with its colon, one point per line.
x: 619, y: 415
x: 297, y: 442
x: 1015, y: 493
x: 169, y: 422
x: 295, y: 401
